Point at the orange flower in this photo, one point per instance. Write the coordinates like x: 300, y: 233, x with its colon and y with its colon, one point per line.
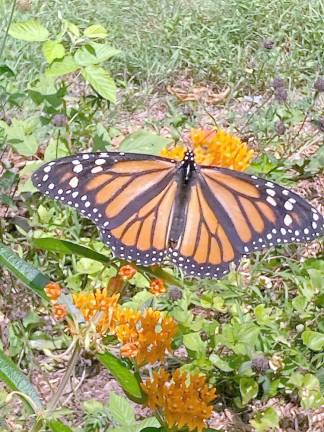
x: 183, y: 399
x: 157, y: 287
x: 151, y: 331
x: 129, y: 350
x: 126, y: 272
x: 217, y: 148
x: 97, y: 305
x: 59, y: 312
x: 53, y: 290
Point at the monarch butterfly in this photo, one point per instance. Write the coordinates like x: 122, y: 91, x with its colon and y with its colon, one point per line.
x: 203, y: 218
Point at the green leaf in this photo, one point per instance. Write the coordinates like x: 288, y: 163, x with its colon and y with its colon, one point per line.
x: 53, y: 50
x: 62, y: 67
x: 16, y: 380
x: 67, y: 247
x: 20, y: 137
x: 314, y: 340
x: 121, y: 410
x: 193, y: 342
x: 220, y: 363
x: 143, y: 141
x: 266, y: 420
x: 123, y: 375
x: 101, y: 81
x: 248, y: 388
x: 95, y: 53
x: 30, y: 31
x: 23, y: 271
x: 95, y: 31
x: 58, y: 426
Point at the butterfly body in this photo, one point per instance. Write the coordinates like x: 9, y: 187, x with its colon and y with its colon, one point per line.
x: 202, y: 218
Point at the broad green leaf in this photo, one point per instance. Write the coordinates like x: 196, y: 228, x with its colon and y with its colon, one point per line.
x: 266, y: 420
x: 23, y: 271
x: 88, y: 266
x: 20, y: 137
x: 123, y: 375
x: 193, y: 342
x: 62, y: 67
x: 101, y: 81
x: 16, y: 380
x: 67, y: 247
x: 55, y: 150
x: 314, y: 340
x: 121, y: 410
x: 94, y: 54
x: 143, y: 141
x: 6, y: 71
x: 149, y: 424
x: 248, y: 388
x: 30, y: 31
x: 95, y: 31
x: 220, y: 363
x: 53, y: 50
x: 58, y: 426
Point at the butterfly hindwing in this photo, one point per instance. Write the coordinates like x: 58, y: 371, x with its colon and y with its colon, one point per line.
x: 234, y: 214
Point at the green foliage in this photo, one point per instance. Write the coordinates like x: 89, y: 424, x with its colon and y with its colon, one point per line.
x: 265, y: 421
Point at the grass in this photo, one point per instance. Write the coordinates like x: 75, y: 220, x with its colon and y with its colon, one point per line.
x: 219, y: 41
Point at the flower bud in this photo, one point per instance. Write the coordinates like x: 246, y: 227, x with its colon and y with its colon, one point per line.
x: 126, y: 272
x: 268, y: 44
x: 59, y: 312
x: 319, y: 85
x: 157, y: 287
x: 53, y: 290
x: 280, y: 127
x: 59, y: 120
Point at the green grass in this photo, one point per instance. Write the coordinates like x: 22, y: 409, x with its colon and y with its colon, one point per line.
x: 220, y: 41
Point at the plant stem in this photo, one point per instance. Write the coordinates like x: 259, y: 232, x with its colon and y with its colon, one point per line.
x: 8, y: 26
x: 68, y: 373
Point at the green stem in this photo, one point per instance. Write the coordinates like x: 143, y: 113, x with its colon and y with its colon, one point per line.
x: 8, y: 26
x: 68, y: 373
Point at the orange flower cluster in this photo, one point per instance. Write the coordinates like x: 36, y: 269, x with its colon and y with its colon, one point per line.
x: 145, y: 336
x: 216, y: 148
x: 183, y: 399
x: 99, y: 306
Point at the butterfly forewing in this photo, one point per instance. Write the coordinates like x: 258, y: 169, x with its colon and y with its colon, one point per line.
x: 129, y: 197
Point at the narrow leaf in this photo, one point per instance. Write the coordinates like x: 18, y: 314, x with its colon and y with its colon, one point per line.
x: 30, y: 31
x: 101, y: 81
x: 123, y: 375
x: 68, y: 247
x: 16, y: 380
x: 22, y: 270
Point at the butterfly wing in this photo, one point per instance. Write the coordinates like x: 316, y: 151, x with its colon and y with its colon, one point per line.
x: 231, y: 214
x: 129, y: 197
